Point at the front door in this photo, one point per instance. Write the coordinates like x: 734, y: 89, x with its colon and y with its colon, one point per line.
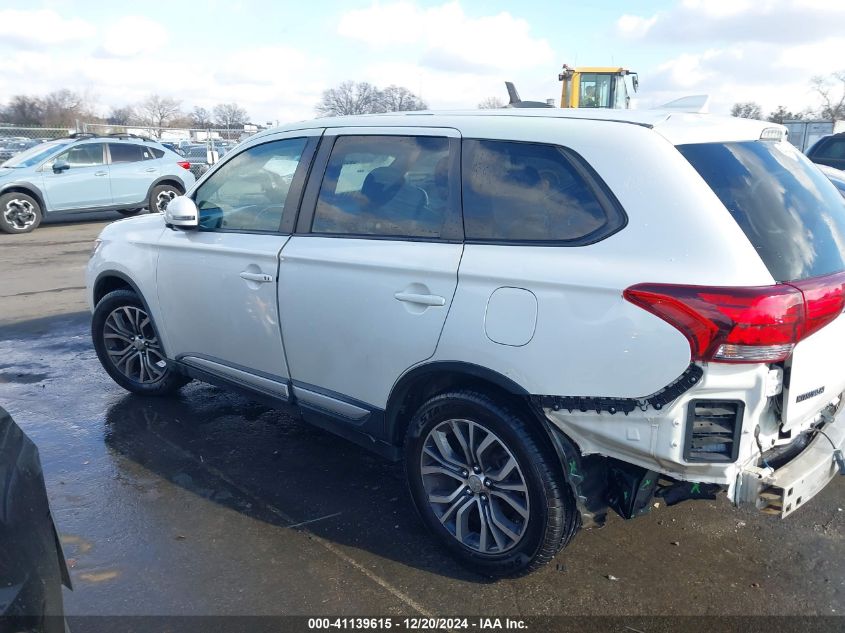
x: 84, y: 184
x: 217, y: 285
x: 366, y: 282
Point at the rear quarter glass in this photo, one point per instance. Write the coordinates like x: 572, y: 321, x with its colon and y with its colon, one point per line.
x: 789, y: 211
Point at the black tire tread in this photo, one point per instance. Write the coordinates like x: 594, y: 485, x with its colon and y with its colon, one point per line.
x: 172, y: 380
x: 561, y: 516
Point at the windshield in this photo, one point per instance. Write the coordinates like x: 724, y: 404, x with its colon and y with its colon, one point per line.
x: 788, y: 210
x: 36, y: 154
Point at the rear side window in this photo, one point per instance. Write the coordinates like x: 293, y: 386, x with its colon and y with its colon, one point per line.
x: 531, y: 192
x: 386, y: 186
x: 158, y: 153
x: 791, y: 213
x: 128, y: 153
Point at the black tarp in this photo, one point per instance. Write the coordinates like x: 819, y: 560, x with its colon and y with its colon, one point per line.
x: 32, y: 564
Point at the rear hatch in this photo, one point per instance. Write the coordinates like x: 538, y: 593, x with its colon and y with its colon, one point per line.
x: 795, y: 220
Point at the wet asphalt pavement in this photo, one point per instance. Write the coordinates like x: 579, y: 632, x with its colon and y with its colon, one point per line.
x: 208, y: 503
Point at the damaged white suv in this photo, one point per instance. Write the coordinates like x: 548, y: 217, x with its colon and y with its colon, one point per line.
x: 544, y: 313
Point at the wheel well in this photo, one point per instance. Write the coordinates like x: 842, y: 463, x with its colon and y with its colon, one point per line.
x: 27, y: 191
x: 172, y: 182
x: 109, y: 284
x: 410, y: 394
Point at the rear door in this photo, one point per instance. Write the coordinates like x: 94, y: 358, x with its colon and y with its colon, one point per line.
x: 366, y: 281
x: 85, y: 185
x: 217, y: 285
x: 131, y: 172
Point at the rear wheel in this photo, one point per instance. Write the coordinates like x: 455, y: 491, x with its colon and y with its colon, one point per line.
x: 161, y: 196
x: 127, y: 344
x: 19, y: 213
x: 487, y: 484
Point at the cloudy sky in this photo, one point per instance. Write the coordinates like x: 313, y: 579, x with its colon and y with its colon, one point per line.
x: 276, y: 57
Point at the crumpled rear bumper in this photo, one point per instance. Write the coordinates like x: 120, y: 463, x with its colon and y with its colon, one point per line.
x: 782, y: 491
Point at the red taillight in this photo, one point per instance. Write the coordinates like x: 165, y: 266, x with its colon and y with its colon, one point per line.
x: 184, y: 164
x: 758, y: 324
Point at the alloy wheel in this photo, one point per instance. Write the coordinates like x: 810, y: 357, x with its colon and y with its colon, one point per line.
x: 163, y: 199
x: 20, y: 214
x: 474, y: 486
x: 132, y: 345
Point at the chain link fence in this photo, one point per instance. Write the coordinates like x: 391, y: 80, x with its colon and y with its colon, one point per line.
x: 199, y: 146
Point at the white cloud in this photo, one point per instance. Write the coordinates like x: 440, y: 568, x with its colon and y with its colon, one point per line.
x: 133, y: 35
x: 776, y: 21
x: 31, y: 29
x: 447, y: 39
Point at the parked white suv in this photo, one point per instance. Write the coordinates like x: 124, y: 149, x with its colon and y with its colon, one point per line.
x: 544, y: 313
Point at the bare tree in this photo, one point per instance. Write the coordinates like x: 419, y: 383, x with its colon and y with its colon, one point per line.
x: 781, y: 114
x: 200, y: 117
x: 23, y: 110
x: 121, y: 116
x: 157, y: 111
x: 63, y: 108
x: 832, y: 92
x: 491, y: 103
x: 747, y: 110
x: 230, y: 115
x: 350, y: 97
x: 400, y: 99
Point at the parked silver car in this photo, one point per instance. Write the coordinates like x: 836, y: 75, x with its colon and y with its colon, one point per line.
x: 85, y: 172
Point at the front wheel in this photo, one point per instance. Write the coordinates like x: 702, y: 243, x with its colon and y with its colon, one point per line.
x: 487, y: 484
x: 19, y: 213
x: 128, y: 346
x: 161, y: 196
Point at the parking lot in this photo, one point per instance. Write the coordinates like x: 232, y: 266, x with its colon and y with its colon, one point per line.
x: 212, y: 504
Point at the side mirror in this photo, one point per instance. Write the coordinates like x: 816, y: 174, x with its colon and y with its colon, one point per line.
x: 59, y: 166
x: 182, y: 213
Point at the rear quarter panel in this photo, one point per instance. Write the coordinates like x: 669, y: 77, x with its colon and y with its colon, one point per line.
x: 588, y: 340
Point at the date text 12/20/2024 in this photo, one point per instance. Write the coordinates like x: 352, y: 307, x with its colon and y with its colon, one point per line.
x: 418, y: 624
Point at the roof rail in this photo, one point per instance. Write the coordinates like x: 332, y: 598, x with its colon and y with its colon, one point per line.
x: 81, y: 135
x: 128, y: 135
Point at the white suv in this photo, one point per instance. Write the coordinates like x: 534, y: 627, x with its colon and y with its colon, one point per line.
x: 544, y: 313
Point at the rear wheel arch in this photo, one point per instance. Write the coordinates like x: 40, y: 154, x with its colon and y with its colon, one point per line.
x: 423, y: 382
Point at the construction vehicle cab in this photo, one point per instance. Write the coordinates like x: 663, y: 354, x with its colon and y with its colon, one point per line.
x: 596, y: 87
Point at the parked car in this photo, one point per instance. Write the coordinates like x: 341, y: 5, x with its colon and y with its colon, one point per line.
x: 829, y: 150
x: 198, y: 157
x: 836, y: 176
x: 539, y: 326
x: 173, y: 147
x: 88, y: 173
x: 11, y: 146
x: 32, y: 564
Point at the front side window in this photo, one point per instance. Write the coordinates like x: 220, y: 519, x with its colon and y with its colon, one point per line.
x: 88, y: 155
x: 530, y: 192
x: 385, y: 186
x: 249, y: 192
x: 128, y: 153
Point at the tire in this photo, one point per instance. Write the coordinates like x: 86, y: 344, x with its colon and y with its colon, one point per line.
x: 19, y: 213
x: 127, y: 344
x: 158, y: 197
x: 129, y: 212
x: 538, y: 522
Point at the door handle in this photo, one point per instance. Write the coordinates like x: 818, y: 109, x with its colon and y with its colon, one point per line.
x: 150, y: 170
x: 425, y: 300
x: 101, y: 173
x: 261, y: 278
